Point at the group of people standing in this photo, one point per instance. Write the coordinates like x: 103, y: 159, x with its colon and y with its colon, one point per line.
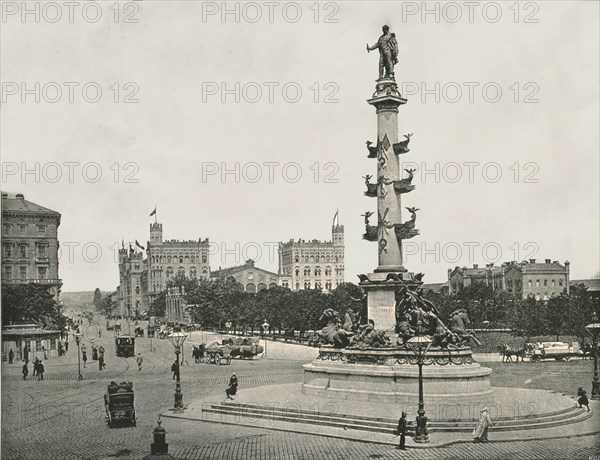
x: 38, y: 369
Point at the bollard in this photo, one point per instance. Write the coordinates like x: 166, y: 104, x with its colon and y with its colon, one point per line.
x: 159, y: 449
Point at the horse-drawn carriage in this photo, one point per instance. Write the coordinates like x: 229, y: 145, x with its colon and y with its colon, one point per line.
x: 118, y: 403
x: 559, y: 351
x: 139, y: 332
x: 218, y: 354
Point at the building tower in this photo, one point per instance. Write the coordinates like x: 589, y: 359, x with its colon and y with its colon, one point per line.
x: 156, y: 234
x: 337, y: 231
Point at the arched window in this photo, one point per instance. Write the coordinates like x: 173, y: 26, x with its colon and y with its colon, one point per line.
x: 193, y: 272
x: 297, y: 259
x: 327, y: 271
x: 192, y: 260
x: 203, y: 259
x: 168, y: 259
x: 272, y: 285
x: 169, y: 272
x: 251, y: 288
x: 262, y: 287
x: 181, y: 271
x: 306, y: 271
x: 307, y: 285
x: 297, y: 286
x: 180, y: 259
x: 297, y: 271
x: 318, y: 271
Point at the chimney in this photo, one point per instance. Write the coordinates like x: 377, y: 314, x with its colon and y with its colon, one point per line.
x: 531, y: 261
x: 548, y: 261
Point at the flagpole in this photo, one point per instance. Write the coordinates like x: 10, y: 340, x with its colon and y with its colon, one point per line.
x: 155, y: 216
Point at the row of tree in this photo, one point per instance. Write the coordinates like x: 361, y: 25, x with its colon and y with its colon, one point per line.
x: 213, y: 303
x: 31, y: 304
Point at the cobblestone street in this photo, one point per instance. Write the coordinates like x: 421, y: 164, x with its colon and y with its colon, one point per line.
x: 61, y: 417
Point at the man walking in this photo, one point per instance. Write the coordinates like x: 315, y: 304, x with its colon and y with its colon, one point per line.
x: 233, y: 384
x: 174, y: 368
x: 11, y: 355
x: 84, y: 355
x: 402, y: 431
x: 41, y: 370
x: 583, y: 399
x: 139, y: 360
x: 25, y: 370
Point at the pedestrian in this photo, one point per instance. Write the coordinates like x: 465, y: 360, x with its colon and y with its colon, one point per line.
x: 402, y: 431
x: 35, y: 366
x: 174, y: 368
x: 139, y: 360
x: 84, y: 357
x: 232, y: 388
x: 44, y: 351
x: 66, y: 346
x: 41, y: 370
x: 480, y: 433
x: 101, y: 362
x: 25, y: 370
x: 60, y: 349
x: 583, y: 399
x: 101, y: 350
x: 94, y: 354
x: 11, y: 356
x: 99, y: 333
x: 26, y: 353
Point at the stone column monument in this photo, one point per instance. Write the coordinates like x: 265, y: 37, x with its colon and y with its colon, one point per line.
x: 389, y: 232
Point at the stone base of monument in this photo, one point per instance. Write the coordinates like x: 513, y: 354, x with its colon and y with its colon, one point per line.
x: 391, y: 375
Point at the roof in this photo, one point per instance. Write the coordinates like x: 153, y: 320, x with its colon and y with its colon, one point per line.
x: 542, y: 267
x: 592, y: 284
x: 18, y: 203
x: 230, y: 271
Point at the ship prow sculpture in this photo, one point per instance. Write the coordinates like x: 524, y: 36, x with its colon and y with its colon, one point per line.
x: 375, y: 361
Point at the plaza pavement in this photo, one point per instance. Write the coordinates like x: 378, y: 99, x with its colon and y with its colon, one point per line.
x: 62, y: 418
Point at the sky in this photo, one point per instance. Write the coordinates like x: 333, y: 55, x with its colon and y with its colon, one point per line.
x: 248, y: 127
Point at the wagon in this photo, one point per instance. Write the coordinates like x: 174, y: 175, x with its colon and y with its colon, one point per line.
x: 118, y: 403
x: 559, y: 351
x: 125, y: 346
x: 217, y: 354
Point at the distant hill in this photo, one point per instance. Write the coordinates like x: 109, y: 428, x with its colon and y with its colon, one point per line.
x: 81, y: 300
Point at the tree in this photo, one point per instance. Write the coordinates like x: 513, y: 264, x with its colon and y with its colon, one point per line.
x: 97, y: 299
x: 31, y: 303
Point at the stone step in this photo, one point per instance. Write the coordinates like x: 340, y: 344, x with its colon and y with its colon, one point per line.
x: 386, y: 426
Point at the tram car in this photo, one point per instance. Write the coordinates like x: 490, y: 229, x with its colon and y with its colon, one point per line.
x: 125, y: 346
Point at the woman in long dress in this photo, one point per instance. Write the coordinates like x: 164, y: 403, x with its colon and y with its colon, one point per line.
x: 481, y: 430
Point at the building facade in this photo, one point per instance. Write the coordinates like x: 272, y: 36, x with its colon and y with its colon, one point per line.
x: 133, y: 282
x: 29, y: 243
x: 540, y: 280
x: 252, y: 278
x: 167, y: 259
x: 313, y: 264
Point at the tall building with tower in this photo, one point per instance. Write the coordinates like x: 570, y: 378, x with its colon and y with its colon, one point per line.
x: 167, y: 258
x: 313, y: 264
x: 133, y: 279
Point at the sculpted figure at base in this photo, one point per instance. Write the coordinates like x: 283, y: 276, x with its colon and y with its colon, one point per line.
x: 368, y: 337
x: 388, y: 52
x: 335, y: 332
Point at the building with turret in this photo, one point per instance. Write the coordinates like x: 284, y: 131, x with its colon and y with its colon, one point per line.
x: 531, y: 278
x: 167, y: 258
x: 133, y: 279
x: 313, y: 264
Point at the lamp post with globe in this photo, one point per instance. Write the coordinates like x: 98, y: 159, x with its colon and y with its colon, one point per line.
x: 420, y: 345
x: 78, y: 341
x: 177, y: 339
x: 594, y: 329
x: 265, y: 327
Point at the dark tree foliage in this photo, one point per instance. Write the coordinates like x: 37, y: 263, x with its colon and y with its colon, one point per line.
x: 31, y: 303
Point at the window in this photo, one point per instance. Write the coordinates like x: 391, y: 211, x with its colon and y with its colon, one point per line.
x: 7, y: 273
x: 537, y: 284
x: 307, y: 285
x: 181, y: 271
x: 306, y: 271
x: 327, y: 271
x: 529, y: 283
x: 317, y: 271
x: 328, y: 285
x: 545, y: 283
x: 23, y: 251
x: 297, y: 259
x: 52, y: 344
x: 169, y: 272
x: 38, y: 345
x: 192, y: 260
x: 193, y: 273
x: 8, y: 250
x: 297, y: 286
x: 23, y: 273
x: 137, y: 290
x: 42, y: 251
x: 6, y: 229
x: 180, y: 259
x: 41, y: 230
x: 560, y: 282
x: 42, y: 273
x: 23, y: 230
x: 553, y: 283
x: 203, y: 259
x: 297, y: 271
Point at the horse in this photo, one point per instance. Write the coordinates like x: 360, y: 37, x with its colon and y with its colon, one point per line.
x: 507, y: 353
x: 458, y: 324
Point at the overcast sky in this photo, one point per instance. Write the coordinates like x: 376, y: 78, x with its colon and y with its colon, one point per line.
x: 509, y: 135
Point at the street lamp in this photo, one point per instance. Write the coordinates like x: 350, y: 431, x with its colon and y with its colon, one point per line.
x: 177, y: 339
x: 420, y: 345
x: 594, y: 329
x: 78, y: 340
x: 265, y: 327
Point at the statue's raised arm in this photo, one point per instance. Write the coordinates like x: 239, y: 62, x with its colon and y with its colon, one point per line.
x: 388, y: 53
